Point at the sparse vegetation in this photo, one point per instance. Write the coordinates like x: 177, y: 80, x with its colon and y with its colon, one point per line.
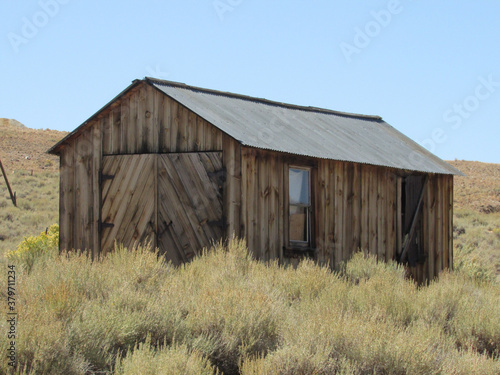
x: 34, y: 176
x: 477, y: 244
x: 37, y: 207
x: 130, y: 311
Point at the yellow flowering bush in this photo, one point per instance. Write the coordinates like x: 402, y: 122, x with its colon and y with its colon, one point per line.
x: 34, y: 247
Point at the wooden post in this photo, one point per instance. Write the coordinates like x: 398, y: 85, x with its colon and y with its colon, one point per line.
x: 12, y: 195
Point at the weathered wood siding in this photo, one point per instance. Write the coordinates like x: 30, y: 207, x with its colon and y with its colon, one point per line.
x: 437, y: 228
x: 141, y: 121
x: 79, y: 206
x: 263, y: 197
x: 145, y: 120
x: 355, y: 208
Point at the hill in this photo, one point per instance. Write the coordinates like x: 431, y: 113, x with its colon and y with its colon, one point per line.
x: 23, y: 148
x: 479, y: 190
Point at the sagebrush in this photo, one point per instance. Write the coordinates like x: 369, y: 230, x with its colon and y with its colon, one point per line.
x: 130, y: 312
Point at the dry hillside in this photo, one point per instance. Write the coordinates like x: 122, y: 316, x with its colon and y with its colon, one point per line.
x: 22, y: 148
x: 479, y: 190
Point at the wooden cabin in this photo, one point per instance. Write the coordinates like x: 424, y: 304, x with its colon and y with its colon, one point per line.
x: 182, y: 166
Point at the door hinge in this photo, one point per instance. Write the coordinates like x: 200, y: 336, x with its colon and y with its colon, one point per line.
x: 218, y: 223
x: 104, y: 177
x: 104, y: 225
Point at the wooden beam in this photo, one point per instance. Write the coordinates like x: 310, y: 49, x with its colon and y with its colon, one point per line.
x: 414, y: 221
x: 12, y: 195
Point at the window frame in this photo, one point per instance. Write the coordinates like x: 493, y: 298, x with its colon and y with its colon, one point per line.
x: 308, y: 244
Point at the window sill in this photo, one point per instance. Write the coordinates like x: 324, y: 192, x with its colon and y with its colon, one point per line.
x: 299, y: 252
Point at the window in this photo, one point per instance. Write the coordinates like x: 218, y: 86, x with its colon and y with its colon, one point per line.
x: 299, y: 184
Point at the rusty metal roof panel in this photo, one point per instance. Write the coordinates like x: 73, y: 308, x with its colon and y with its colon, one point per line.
x: 306, y: 131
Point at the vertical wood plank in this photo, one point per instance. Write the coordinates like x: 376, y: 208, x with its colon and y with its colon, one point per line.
x: 192, y: 132
x: 252, y: 198
x: 356, y: 208
x: 330, y: 212
x: 200, y: 134
x: 439, y: 225
x: 174, y: 126
x: 218, y: 139
x: 365, y: 201
x: 115, y: 124
x: 156, y: 224
x: 286, y: 207
x: 339, y: 213
x: 67, y: 198
x: 232, y: 197
x: 273, y: 209
x: 134, y: 133
x: 208, y: 136
x: 96, y: 189
x: 450, y: 222
x: 391, y: 216
x: 373, y: 210
x: 164, y: 141
x: 244, y: 195
x: 105, y: 124
x: 263, y: 204
x: 445, y: 224
x: 152, y: 119
x: 144, y: 123
x: 282, y: 207
x: 432, y: 226
x: 381, y: 214
x: 399, y: 219
x: 124, y: 124
x: 237, y: 186
x: 319, y: 192
x: 182, y: 124
x: 347, y: 249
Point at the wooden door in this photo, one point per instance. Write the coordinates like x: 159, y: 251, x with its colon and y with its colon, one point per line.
x: 128, y: 212
x: 189, y: 203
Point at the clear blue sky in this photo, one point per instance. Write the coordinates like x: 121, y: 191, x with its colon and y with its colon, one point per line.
x: 431, y: 69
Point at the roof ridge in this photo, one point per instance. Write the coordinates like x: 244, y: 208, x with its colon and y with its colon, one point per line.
x: 260, y: 100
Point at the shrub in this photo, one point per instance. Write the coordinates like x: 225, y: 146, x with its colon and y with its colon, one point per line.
x: 129, y: 312
x: 469, y: 262
x: 146, y: 360
x: 229, y: 313
x: 34, y: 248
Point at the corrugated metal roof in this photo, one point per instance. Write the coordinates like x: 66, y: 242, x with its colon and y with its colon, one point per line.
x: 308, y: 131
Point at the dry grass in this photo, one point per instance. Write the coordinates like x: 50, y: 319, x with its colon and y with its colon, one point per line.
x: 33, y: 175
x: 477, y: 218
x: 130, y: 313
x: 24, y: 149
x: 37, y: 207
x: 479, y: 189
